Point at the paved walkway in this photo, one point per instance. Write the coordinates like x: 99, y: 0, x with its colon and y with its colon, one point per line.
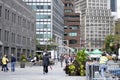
x: 35, y: 73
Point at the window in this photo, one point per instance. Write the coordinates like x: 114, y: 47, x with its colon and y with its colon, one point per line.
x: 5, y: 13
x: 24, y: 40
x: 74, y: 27
x: 6, y: 35
x: 73, y: 34
x: 24, y: 22
x: 65, y: 34
x: 13, y: 17
x: 0, y: 11
x: 72, y: 41
x: 0, y: 34
x: 13, y: 37
x: 65, y: 27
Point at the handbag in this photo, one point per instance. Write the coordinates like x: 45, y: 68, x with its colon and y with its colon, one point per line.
x: 51, y: 67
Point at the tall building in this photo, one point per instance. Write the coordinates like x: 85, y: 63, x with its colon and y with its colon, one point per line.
x: 72, y: 25
x: 49, y: 20
x: 17, y: 28
x: 96, y: 22
x: 113, y: 7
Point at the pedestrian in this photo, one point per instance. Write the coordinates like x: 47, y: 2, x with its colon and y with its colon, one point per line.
x: 34, y: 60
x: 4, y: 62
x: 45, y: 63
x: 61, y: 60
x: 13, y: 61
x: 7, y: 63
x: 103, y: 64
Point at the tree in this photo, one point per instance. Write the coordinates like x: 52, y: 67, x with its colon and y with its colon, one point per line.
x: 109, y: 42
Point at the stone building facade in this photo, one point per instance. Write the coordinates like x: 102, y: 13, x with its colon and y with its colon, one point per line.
x: 17, y: 28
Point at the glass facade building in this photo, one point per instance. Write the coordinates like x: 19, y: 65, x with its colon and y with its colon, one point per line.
x: 113, y: 5
x: 49, y: 20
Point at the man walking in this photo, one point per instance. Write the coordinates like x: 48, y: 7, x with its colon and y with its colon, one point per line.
x: 45, y: 63
x: 13, y: 61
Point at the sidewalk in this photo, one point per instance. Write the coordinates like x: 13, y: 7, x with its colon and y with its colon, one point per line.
x: 35, y: 73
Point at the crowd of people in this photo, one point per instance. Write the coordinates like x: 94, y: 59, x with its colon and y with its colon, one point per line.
x: 101, y: 64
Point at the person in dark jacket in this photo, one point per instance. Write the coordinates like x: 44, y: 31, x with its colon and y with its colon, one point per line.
x: 13, y: 61
x: 45, y: 63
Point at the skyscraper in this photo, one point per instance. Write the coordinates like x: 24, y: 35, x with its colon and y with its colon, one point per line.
x: 113, y: 5
x: 96, y: 22
x: 49, y: 20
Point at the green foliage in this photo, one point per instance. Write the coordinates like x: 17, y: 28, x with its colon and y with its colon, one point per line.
x: 23, y: 58
x: 81, y: 56
x: 71, y: 68
x: 110, y: 43
x: 81, y: 59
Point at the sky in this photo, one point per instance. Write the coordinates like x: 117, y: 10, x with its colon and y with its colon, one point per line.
x: 118, y: 8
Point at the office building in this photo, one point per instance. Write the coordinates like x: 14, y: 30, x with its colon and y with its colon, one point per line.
x: 72, y: 25
x: 113, y: 6
x: 49, y: 20
x: 17, y: 28
x: 96, y: 22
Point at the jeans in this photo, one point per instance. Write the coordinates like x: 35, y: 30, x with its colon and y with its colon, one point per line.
x: 12, y: 66
x: 5, y: 67
x: 103, y: 68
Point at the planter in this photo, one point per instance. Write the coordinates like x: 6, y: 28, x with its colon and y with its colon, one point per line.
x: 22, y: 64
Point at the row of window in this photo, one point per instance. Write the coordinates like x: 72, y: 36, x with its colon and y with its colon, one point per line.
x: 36, y: 0
x: 15, y: 38
x: 71, y: 34
x: 35, y: 7
x: 71, y: 27
x: 43, y: 16
x: 104, y: 1
x: 43, y: 36
x: 88, y: 25
x: 43, y: 26
x: 17, y: 19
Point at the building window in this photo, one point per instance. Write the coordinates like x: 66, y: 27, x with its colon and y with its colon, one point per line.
x: 65, y: 27
x: 13, y: 18
x: 28, y: 41
x: 0, y: 11
x: 0, y: 34
x: 74, y: 27
x: 5, y: 13
x: 72, y: 41
x: 24, y: 40
x: 13, y: 38
x: 6, y: 35
x: 65, y: 34
x: 73, y: 34
x: 24, y: 22
x: 18, y: 39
